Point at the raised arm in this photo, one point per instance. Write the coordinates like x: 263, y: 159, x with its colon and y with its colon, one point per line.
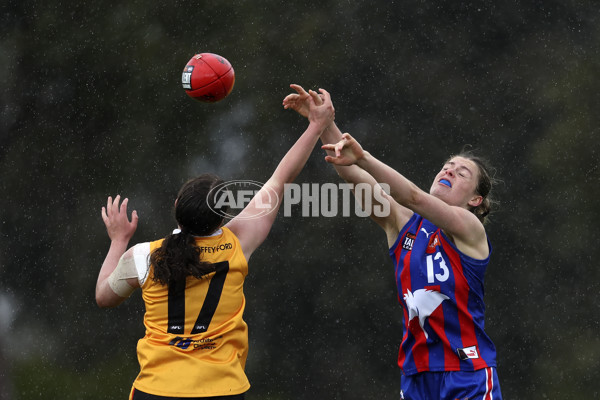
x: 391, y: 223
x: 120, y: 230
x: 254, y: 222
x: 458, y: 222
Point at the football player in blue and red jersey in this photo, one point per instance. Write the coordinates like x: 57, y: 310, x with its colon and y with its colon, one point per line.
x: 440, y: 251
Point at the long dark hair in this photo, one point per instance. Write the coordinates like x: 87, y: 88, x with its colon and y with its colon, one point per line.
x: 196, y: 214
x: 485, y: 183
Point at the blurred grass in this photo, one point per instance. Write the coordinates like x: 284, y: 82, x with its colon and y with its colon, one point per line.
x: 40, y: 379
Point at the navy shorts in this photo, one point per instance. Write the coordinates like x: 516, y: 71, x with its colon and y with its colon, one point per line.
x: 139, y: 395
x: 453, y: 385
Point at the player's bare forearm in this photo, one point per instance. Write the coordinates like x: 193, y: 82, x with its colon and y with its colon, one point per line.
x: 120, y: 230
x: 321, y: 115
x: 251, y: 234
x: 349, y: 173
x: 331, y: 134
x: 253, y: 231
x: 116, y: 250
x: 401, y: 189
x: 294, y: 160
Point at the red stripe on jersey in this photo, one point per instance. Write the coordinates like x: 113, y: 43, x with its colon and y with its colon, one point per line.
x: 397, y: 252
x: 404, y: 279
x: 489, y: 384
x: 436, y: 322
x: 420, y: 351
x: 461, y: 292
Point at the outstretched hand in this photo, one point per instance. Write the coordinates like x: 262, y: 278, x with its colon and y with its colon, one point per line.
x: 299, y: 101
x: 347, y: 151
x: 320, y: 109
x: 115, y: 218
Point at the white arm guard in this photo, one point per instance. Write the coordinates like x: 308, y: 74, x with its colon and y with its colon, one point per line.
x: 118, y: 279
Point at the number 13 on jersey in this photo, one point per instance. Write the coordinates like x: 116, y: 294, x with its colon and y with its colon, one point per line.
x: 437, y: 268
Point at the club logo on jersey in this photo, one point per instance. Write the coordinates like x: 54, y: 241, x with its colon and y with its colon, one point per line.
x: 433, y: 243
x: 422, y: 303
x: 409, y: 240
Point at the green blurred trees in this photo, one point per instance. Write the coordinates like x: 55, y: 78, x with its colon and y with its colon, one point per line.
x: 92, y: 106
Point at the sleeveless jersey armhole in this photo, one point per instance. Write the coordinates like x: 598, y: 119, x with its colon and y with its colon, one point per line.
x: 141, y: 256
x: 403, y: 231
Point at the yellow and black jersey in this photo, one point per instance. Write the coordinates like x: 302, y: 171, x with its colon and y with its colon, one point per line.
x: 196, y: 341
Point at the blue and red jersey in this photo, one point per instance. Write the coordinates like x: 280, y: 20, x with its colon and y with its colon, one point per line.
x: 441, y: 293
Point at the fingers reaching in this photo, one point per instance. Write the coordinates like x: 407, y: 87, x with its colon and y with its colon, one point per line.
x: 299, y: 101
x: 123, y: 208
x: 305, y: 103
x: 325, y: 95
x: 339, y: 146
x: 315, y: 96
x: 134, y: 219
x: 299, y: 89
x: 345, y: 152
x: 289, y: 100
x: 116, y: 220
x: 134, y: 216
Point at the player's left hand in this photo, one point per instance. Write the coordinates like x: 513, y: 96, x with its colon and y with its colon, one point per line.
x: 321, y: 108
x: 347, y: 151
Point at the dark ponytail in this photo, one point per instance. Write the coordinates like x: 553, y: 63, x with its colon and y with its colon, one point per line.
x: 179, y: 256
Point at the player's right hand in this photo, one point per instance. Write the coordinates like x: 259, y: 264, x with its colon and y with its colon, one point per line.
x: 298, y: 101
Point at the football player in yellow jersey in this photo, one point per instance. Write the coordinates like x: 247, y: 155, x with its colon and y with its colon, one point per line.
x: 196, y: 341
